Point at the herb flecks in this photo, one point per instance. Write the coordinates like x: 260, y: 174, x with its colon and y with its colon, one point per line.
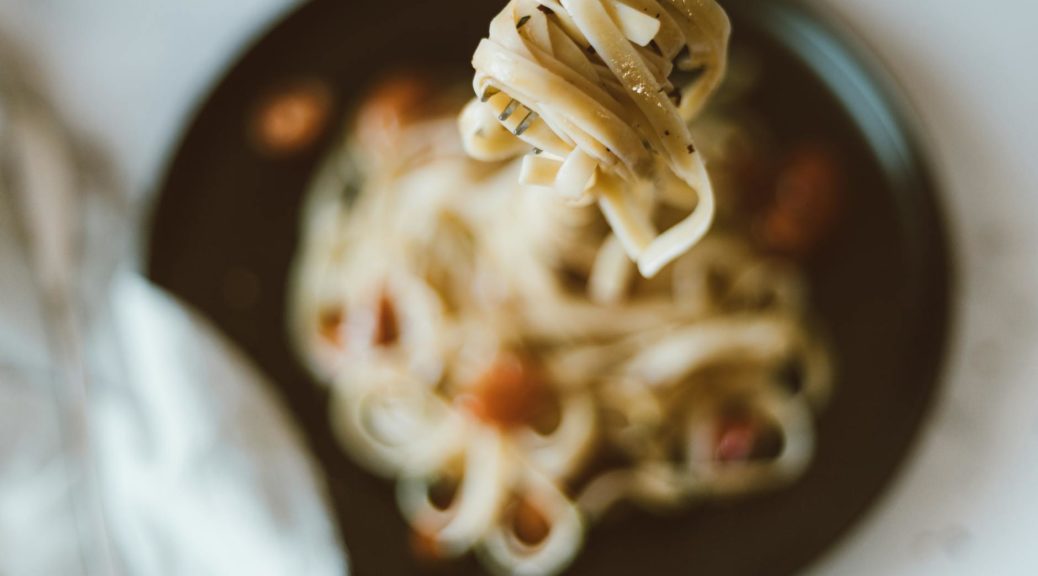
x: 522, y: 22
x: 509, y: 110
x: 675, y: 96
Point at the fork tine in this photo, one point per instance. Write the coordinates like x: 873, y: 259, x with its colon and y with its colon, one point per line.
x: 525, y: 123
x: 510, y: 109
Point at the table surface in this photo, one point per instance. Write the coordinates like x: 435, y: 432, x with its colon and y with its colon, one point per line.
x: 130, y: 74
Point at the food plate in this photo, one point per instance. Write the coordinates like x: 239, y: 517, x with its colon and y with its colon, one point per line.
x: 225, y: 230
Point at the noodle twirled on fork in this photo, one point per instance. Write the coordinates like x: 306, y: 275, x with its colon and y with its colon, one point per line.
x: 586, y: 84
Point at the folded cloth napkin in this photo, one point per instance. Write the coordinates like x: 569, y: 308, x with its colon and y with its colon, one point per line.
x: 133, y: 439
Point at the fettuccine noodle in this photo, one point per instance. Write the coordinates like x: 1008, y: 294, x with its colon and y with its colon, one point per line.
x: 586, y: 84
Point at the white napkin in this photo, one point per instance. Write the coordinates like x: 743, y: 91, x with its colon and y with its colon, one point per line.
x: 133, y: 439
x: 203, y: 471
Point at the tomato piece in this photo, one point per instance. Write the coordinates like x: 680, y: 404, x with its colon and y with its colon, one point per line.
x: 387, y: 326
x: 512, y: 392
x: 735, y: 441
x: 291, y: 118
x: 425, y: 547
x: 330, y: 326
x: 747, y: 439
x: 807, y: 203
x: 393, y: 104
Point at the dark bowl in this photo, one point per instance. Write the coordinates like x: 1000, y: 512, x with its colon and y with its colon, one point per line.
x: 225, y: 231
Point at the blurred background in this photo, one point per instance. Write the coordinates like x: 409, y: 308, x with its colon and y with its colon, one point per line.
x: 98, y: 471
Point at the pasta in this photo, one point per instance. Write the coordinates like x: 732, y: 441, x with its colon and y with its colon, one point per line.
x: 496, y: 352
x: 585, y: 83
